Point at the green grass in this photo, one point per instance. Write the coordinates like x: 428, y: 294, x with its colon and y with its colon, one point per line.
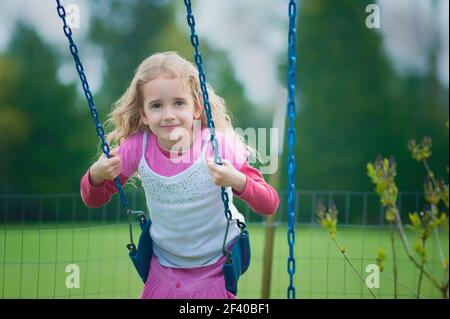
x: 33, y: 260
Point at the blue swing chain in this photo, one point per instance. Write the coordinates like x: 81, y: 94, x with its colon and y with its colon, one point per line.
x: 199, y: 62
x: 291, y: 142
x: 94, y: 113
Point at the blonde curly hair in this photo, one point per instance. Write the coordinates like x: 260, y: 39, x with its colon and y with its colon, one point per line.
x: 125, y: 117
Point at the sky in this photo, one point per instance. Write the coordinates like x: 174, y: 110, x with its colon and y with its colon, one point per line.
x: 240, y: 28
x: 406, y: 31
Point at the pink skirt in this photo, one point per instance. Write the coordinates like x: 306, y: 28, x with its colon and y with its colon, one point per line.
x: 180, y: 283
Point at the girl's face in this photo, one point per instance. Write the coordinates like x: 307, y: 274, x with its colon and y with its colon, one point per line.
x: 169, y: 110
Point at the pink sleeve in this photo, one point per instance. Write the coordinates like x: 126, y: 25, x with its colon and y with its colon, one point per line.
x: 260, y: 196
x: 96, y: 196
x: 130, y: 152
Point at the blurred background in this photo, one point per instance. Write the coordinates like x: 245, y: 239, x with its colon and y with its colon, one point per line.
x: 361, y: 92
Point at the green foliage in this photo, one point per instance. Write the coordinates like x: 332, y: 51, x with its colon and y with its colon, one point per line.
x: 444, y: 194
x: 382, y: 174
x: 421, y: 251
x: 381, y: 257
x: 432, y: 193
x: 41, y: 147
x: 425, y: 223
x: 444, y: 221
x: 422, y: 151
x: 415, y: 221
x: 328, y: 218
x: 391, y: 214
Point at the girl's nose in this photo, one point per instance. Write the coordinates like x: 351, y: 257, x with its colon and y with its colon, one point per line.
x: 168, y: 114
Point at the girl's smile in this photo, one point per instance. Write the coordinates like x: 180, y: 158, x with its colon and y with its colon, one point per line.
x: 170, y: 127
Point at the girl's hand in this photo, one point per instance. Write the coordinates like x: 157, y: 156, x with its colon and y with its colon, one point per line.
x: 106, y: 168
x: 227, y: 175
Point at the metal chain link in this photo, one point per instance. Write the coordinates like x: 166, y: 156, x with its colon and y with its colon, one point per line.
x: 92, y: 108
x: 199, y: 62
x: 291, y: 143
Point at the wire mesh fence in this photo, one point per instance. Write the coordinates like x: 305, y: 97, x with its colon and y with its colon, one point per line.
x: 43, y: 237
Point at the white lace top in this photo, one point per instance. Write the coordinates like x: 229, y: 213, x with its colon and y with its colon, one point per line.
x: 187, y: 212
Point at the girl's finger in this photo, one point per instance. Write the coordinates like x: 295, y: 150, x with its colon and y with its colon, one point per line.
x: 114, y: 160
x: 211, y: 163
x: 114, y: 151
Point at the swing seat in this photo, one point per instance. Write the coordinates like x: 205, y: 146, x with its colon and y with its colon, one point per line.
x: 233, y: 268
x: 238, y: 262
x: 142, y: 256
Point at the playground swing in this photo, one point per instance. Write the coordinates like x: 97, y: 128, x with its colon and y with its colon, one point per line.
x: 238, y: 258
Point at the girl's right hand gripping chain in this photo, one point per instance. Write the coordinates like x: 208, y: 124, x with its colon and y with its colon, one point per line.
x: 105, y: 168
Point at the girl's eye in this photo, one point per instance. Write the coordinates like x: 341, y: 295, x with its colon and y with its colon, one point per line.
x: 179, y: 103
x: 156, y: 106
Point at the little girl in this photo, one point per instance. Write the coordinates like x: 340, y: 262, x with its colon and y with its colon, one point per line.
x: 162, y: 131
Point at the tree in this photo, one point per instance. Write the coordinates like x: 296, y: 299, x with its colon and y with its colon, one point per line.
x: 352, y: 102
x: 44, y: 140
